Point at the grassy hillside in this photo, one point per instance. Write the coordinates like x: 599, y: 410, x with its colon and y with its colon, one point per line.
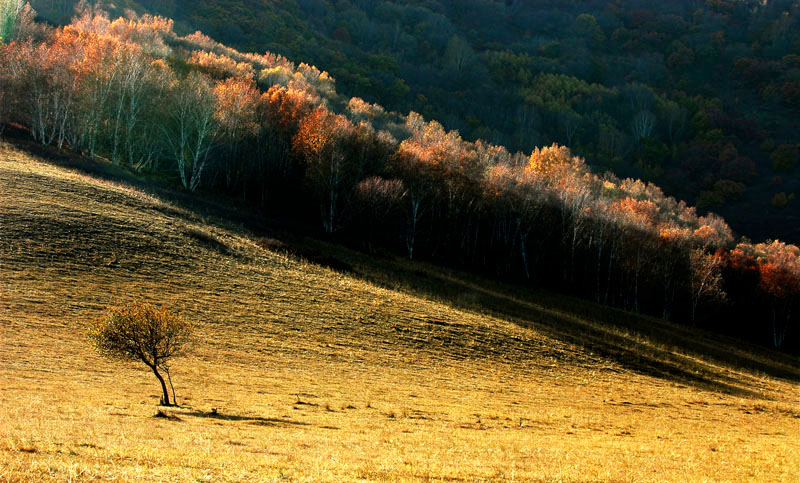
x: 383, y: 370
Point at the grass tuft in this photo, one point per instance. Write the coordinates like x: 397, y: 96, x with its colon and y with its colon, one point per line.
x: 161, y: 414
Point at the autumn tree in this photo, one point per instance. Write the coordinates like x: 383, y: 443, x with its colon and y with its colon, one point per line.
x: 458, y: 170
x: 779, y: 265
x: 406, y: 165
x: 98, y: 70
x: 604, y: 226
x: 221, y: 66
x: 518, y: 197
x: 280, y: 111
x: 278, y: 75
x: 44, y: 85
x: 132, y: 89
x: 237, y: 101
x: 144, y: 116
x: 148, y: 32
x: 673, y: 242
x: 568, y: 177
x: 441, y: 174
x: 320, y: 142
x: 713, y: 233
x: 143, y: 333
x: 633, y: 240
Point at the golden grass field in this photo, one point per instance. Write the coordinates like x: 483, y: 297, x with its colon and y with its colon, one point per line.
x: 390, y: 372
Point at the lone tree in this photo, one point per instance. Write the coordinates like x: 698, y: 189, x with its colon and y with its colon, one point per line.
x: 143, y: 332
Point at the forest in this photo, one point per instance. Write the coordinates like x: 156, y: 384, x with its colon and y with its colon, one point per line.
x: 277, y: 136
x: 699, y: 96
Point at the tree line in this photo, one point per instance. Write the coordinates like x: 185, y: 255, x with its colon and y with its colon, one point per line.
x: 277, y: 136
x: 699, y: 96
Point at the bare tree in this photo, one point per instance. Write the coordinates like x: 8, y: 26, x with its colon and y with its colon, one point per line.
x: 190, y: 133
x: 643, y: 124
x: 706, y: 277
x: 459, y: 53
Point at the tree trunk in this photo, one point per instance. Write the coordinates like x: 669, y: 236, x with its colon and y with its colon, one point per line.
x: 169, y: 378
x: 523, y: 250
x: 165, y: 397
x: 599, y: 264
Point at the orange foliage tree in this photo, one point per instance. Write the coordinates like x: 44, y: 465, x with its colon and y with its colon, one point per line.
x: 320, y: 143
x: 237, y: 102
x: 779, y: 265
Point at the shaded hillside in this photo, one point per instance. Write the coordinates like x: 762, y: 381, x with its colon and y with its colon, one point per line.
x: 394, y: 371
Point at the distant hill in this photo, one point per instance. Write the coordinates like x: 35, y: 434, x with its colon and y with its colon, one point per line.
x: 701, y: 97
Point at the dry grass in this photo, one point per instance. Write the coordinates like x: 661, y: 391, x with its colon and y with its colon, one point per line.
x: 301, y: 373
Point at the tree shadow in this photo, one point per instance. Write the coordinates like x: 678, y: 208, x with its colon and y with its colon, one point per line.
x: 256, y: 420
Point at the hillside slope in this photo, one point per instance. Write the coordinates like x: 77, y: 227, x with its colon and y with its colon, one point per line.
x: 388, y: 372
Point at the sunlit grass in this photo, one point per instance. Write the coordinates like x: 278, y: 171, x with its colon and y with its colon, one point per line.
x: 300, y: 373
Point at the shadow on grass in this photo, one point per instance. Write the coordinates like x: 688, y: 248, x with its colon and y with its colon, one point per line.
x: 635, y: 342
x: 256, y: 420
